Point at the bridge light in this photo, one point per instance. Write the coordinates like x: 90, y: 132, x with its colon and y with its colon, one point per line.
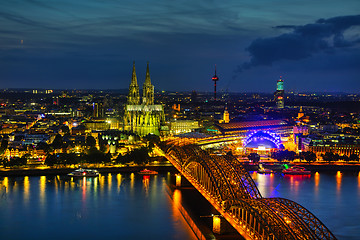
x: 178, y: 180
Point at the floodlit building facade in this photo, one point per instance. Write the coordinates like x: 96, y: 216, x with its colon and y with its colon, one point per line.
x: 142, y: 117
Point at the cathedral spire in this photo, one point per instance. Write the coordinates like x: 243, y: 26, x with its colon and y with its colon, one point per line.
x: 148, y: 89
x: 147, y: 79
x: 134, y: 96
x: 133, y: 78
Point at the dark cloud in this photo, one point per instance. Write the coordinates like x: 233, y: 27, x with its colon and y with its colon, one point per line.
x: 323, y: 36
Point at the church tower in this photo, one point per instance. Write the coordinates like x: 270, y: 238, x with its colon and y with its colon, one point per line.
x: 148, y: 89
x: 134, y: 96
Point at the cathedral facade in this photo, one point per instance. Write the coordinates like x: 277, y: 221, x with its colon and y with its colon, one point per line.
x: 142, y: 116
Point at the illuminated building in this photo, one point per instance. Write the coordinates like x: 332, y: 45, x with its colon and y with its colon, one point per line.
x: 97, y: 125
x: 183, y: 126
x: 262, y: 142
x: 281, y: 127
x: 98, y: 110
x: 279, y: 94
x: 146, y: 117
x: 337, y: 145
x: 215, y: 79
x: 226, y: 116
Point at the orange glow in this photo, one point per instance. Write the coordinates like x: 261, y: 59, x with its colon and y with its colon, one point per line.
x: 26, y: 189
x: 132, y: 182
x: 101, y: 182
x: 42, y: 189
x: 119, y: 180
x: 178, y: 180
x: 177, y: 198
x: 338, y: 181
x: 6, y: 183
x: 146, y: 184
x: 317, y: 181
x: 84, y: 189
x: 217, y: 224
x: 109, y: 180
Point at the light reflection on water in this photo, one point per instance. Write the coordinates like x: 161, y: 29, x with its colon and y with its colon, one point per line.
x: 333, y: 197
x: 112, y: 206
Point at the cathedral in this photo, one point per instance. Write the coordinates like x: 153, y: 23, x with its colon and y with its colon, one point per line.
x: 142, y: 117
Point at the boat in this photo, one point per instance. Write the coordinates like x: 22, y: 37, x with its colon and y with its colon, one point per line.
x: 147, y: 172
x: 82, y: 172
x: 296, y: 170
x: 264, y: 170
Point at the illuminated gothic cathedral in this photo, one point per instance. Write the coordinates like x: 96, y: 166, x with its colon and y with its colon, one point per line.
x: 142, y: 117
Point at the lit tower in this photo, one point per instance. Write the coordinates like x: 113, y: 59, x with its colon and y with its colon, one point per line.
x: 215, y: 79
x: 133, y: 97
x: 148, y: 89
x: 279, y: 93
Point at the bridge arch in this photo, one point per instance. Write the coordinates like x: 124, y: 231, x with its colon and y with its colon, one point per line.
x: 231, y: 190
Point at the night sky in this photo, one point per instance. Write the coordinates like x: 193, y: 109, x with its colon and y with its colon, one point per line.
x: 91, y: 44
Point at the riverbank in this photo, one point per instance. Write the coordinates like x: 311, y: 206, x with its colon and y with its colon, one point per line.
x: 324, y: 167
x: 314, y: 167
x: 62, y: 171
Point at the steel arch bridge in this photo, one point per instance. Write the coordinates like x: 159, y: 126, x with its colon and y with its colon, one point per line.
x: 232, y: 191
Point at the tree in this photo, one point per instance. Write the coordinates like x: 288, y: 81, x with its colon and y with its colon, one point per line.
x: 345, y: 158
x: 329, y: 157
x: 123, y: 159
x: 4, y: 145
x: 152, y: 140
x: 43, y: 146
x: 354, y: 157
x: 254, y: 157
x: 51, y: 160
x: 308, y: 156
x: 282, y: 155
x: 90, y: 141
x: 96, y: 156
x: 65, y: 129
x: 16, y: 161
x: 58, y: 142
x: 140, y: 155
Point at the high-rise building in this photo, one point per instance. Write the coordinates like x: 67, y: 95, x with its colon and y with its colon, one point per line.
x: 98, y: 110
x: 279, y: 93
x: 142, y: 117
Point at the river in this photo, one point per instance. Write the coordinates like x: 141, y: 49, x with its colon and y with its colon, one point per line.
x: 131, y: 206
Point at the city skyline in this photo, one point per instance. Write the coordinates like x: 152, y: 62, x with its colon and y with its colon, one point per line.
x: 92, y: 45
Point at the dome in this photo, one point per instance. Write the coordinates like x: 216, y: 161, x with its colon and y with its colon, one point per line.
x: 262, y: 139
x: 256, y: 143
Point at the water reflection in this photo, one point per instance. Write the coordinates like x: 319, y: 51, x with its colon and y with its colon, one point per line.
x: 176, y: 197
x: 78, y: 205
x: 80, y: 201
x: 119, y: 180
x: 132, y: 182
x: 83, y: 187
x: 316, y: 183
x: 338, y: 183
x: 26, y: 190
x: 109, y: 182
x: 262, y: 186
x: 42, y: 188
x: 359, y: 184
x: 146, y: 184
